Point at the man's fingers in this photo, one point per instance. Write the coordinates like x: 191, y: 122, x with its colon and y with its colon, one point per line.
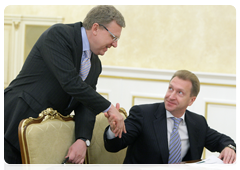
x: 229, y: 159
x: 220, y: 156
x: 124, y: 129
x: 112, y: 118
x: 228, y: 156
x: 106, y: 115
x: 226, y: 159
x: 117, y: 106
x: 116, y: 121
x: 76, y: 160
x: 81, y: 162
x: 120, y: 134
x: 70, y: 159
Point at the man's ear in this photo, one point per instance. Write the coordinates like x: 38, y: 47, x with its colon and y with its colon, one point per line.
x: 192, y: 99
x: 95, y: 28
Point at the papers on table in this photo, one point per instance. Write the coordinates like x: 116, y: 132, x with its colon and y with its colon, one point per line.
x: 213, y: 163
x: 159, y: 168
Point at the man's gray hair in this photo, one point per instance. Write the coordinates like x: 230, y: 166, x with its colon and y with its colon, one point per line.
x: 103, y: 14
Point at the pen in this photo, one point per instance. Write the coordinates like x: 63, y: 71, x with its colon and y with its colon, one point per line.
x: 65, y: 161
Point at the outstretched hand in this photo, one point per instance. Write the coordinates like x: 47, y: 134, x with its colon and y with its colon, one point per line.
x: 116, y: 120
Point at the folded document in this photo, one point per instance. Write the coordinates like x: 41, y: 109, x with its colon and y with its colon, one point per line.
x: 213, y: 163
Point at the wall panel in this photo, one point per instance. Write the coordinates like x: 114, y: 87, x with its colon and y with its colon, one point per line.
x: 7, y: 51
x: 19, y: 39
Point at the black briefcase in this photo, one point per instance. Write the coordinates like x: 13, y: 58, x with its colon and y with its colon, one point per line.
x: 83, y: 167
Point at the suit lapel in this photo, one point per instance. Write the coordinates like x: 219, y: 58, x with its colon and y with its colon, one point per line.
x: 160, y: 126
x: 193, y: 134
x: 92, y: 70
x: 78, y: 41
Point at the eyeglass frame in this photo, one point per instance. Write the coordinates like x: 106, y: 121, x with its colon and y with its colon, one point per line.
x: 115, y: 38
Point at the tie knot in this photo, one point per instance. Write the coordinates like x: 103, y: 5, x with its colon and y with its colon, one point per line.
x: 176, y: 121
x: 88, y: 53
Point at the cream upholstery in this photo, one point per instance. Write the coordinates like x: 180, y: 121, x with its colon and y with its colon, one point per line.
x: 96, y: 153
x: 46, y: 139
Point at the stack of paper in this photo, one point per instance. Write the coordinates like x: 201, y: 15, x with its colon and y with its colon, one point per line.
x: 213, y: 163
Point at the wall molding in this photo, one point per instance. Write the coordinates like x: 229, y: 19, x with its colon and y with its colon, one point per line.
x: 217, y: 103
x: 213, y: 79
x: 19, y: 18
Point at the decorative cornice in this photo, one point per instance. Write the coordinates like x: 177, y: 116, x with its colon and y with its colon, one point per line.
x: 19, y: 18
x: 212, y: 79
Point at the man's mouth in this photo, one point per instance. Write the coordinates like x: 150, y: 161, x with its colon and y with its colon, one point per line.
x: 171, y: 103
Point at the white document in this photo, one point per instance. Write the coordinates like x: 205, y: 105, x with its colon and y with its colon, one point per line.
x: 213, y: 163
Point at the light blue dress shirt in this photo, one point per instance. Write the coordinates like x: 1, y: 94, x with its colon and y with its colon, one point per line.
x: 86, y: 46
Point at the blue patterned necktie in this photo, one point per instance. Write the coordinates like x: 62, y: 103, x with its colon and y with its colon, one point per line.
x: 175, y: 143
x: 85, y: 65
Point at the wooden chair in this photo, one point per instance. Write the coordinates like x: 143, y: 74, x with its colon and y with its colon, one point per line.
x: 96, y: 153
x: 46, y: 139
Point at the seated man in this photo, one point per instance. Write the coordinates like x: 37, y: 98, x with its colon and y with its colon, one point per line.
x: 163, y: 133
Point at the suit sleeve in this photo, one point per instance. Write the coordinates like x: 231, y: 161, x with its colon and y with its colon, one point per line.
x: 215, y: 141
x: 84, y: 122
x: 133, y: 123
x: 57, y: 54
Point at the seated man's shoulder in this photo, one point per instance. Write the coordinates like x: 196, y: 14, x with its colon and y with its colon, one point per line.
x: 147, y: 106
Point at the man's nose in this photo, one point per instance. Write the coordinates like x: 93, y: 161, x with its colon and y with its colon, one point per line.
x: 114, y: 44
x: 172, y: 95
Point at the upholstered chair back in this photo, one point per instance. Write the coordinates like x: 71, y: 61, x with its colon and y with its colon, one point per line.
x: 96, y: 153
x: 46, y: 139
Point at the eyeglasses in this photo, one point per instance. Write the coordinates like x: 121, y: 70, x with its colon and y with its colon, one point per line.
x: 114, y: 37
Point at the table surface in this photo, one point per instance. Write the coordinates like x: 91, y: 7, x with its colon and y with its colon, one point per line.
x: 179, y: 165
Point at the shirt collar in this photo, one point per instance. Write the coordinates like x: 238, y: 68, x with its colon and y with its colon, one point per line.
x: 169, y: 115
x: 85, y: 42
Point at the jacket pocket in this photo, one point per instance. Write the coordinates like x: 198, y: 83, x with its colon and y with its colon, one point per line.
x: 31, y: 101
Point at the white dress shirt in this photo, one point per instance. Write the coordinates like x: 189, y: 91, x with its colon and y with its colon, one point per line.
x: 182, y: 130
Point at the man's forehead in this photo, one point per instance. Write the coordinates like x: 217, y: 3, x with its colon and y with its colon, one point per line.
x: 180, y: 83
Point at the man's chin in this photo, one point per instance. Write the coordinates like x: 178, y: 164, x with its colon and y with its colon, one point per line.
x: 169, y: 108
x: 101, y: 53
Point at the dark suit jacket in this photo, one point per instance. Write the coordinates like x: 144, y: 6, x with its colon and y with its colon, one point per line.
x: 50, y: 78
x: 146, y: 136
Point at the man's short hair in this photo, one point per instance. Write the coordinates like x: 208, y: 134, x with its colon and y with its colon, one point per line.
x: 103, y: 14
x: 187, y: 75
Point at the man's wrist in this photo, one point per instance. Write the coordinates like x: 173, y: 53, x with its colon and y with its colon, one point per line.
x: 110, y: 134
x: 232, y: 147
x: 107, y: 109
x: 87, y: 141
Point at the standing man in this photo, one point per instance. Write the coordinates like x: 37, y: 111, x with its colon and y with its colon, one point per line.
x: 61, y: 72
x: 166, y: 133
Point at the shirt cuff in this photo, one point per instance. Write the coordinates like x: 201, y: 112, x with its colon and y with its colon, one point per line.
x: 107, y: 109
x: 110, y: 134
